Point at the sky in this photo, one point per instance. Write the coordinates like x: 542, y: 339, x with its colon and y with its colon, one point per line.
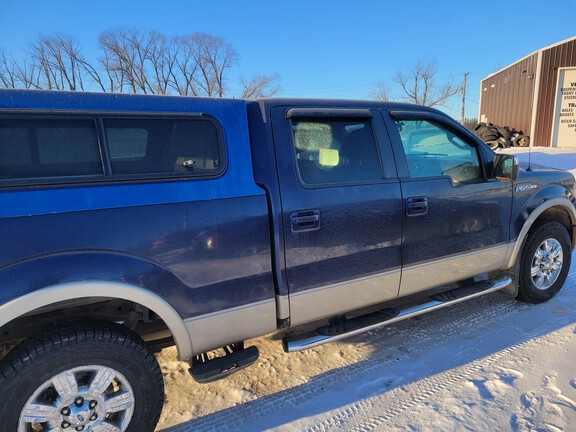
x: 320, y: 48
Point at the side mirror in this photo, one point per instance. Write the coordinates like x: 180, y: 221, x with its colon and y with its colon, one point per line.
x: 505, y: 167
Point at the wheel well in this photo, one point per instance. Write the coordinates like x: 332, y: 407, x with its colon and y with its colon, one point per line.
x: 134, y: 316
x: 555, y: 214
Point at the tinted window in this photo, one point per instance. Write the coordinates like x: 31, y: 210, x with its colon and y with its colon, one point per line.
x: 330, y: 151
x: 35, y: 147
x: 163, y: 146
x: 432, y: 150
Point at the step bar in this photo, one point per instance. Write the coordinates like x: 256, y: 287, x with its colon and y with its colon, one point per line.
x: 355, y: 326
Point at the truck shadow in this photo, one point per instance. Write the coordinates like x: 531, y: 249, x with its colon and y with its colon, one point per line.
x: 437, y: 349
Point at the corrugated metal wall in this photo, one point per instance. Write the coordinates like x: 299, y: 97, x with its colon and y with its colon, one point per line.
x: 553, y: 58
x: 507, y: 97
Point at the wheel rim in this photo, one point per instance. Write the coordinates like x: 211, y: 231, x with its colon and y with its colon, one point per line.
x: 547, y: 264
x: 86, y: 398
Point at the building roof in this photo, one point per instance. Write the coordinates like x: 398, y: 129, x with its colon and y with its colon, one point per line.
x: 529, y: 55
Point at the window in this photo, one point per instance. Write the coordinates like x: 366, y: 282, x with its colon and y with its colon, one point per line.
x: 163, y: 146
x: 42, y: 147
x: 335, y: 151
x: 432, y: 150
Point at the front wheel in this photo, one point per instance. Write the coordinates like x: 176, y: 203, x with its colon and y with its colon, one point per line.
x: 84, y: 376
x: 544, y: 264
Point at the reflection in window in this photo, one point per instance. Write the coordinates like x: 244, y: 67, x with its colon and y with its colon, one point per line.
x: 330, y: 151
x: 162, y: 146
x: 432, y: 151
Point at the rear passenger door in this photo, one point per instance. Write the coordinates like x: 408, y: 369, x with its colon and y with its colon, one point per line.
x: 456, y: 218
x: 342, y: 209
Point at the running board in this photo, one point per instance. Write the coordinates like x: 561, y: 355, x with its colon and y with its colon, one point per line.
x: 236, y: 357
x: 350, y: 327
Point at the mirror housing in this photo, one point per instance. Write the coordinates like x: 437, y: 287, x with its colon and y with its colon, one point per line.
x: 506, y: 167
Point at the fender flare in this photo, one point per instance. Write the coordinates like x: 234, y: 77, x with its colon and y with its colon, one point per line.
x: 514, y: 252
x: 62, y: 292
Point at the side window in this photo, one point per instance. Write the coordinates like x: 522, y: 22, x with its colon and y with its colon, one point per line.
x: 163, y: 146
x: 41, y: 147
x: 432, y: 150
x: 335, y: 151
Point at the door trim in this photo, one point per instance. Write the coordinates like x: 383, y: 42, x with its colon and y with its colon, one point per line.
x: 313, y: 304
x: 435, y: 273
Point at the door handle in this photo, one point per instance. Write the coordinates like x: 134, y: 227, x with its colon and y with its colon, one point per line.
x: 306, y: 220
x: 417, y: 206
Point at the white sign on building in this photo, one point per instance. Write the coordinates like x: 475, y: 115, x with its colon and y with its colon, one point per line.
x: 564, y: 129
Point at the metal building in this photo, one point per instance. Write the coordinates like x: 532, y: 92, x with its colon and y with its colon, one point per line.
x: 536, y: 95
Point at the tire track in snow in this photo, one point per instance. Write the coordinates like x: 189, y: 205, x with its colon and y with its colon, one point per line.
x: 375, y: 412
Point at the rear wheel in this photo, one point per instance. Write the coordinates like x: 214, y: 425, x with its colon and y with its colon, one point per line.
x: 85, y: 376
x: 545, y: 262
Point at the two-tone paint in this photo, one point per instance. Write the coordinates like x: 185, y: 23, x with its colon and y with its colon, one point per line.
x: 217, y: 258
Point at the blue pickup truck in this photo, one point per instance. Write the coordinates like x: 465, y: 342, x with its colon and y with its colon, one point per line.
x: 130, y: 223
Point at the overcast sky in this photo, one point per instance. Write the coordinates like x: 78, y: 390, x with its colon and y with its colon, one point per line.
x: 322, y: 48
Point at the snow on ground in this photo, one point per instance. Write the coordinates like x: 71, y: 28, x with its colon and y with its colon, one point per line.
x: 489, y: 364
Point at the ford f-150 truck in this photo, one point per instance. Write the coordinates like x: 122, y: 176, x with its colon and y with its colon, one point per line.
x: 130, y: 223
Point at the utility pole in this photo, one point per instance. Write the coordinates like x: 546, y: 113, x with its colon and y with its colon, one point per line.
x: 463, y: 97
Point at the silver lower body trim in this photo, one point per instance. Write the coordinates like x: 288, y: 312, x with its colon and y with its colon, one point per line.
x: 218, y: 329
x: 313, y: 304
x: 314, y: 338
x: 420, y: 277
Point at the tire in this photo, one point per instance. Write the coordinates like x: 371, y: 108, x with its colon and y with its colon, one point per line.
x: 504, y: 133
x: 489, y: 135
x: 494, y: 145
x: 523, y: 141
x: 59, y: 368
x: 544, y: 264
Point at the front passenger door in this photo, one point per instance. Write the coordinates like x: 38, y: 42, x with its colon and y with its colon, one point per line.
x: 456, y: 220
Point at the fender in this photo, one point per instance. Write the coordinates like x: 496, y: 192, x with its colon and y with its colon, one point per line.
x: 53, y: 294
x: 74, y: 266
x: 45, y: 280
x: 564, y: 203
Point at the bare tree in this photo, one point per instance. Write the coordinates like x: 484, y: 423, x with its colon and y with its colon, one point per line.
x: 162, y: 54
x: 133, y: 61
x: 260, y: 86
x: 15, y: 74
x: 8, y: 76
x: 57, y: 63
x: 57, y: 58
x: 125, y: 56
x: 205, y: 62
x: 186, y: 68
x: 381, y: 92
x: 420, y: 87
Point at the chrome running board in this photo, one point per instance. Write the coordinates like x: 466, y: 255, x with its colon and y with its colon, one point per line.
x: 351, y: 327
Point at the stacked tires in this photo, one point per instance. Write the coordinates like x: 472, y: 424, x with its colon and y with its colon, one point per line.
x: 501, y: 137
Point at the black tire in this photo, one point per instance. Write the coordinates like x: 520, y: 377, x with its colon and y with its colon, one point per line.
x: 489, y: 135
x: 547, y: 249
x: 522, y: 141
x: 504, y: 133
x: 59, y: 368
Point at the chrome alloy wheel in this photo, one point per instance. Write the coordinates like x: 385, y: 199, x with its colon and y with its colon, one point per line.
x: 547, y: 264
x: 86, y: 398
